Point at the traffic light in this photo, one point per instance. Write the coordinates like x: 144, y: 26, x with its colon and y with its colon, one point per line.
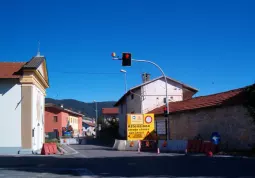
x: 165, y: 112
x: 126, y: 59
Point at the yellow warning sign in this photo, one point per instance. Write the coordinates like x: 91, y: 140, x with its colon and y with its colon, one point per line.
x: 139, y: 126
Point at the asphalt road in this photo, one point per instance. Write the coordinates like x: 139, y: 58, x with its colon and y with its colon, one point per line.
x: 100, y: 161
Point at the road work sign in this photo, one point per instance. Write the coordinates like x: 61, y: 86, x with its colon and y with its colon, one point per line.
x: 139, y: 126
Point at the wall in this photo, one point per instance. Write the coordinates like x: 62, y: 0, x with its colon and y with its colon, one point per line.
x: 74, y: 122
x: 133, y: 105
x: 50, y: 124
x: 158, y: 88
x: 122, y: 119
x: 10, y: 116
x: 233, y: 123
x: 38, y: 118
x: 80, y: 125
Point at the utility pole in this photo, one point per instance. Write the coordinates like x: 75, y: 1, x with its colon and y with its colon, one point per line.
x: 96, y: 117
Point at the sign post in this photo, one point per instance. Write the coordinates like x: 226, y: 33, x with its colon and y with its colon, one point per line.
x: 139, y: 126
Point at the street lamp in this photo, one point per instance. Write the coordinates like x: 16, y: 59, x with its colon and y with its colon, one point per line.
x: 96, y: 115
x: 125, y: 78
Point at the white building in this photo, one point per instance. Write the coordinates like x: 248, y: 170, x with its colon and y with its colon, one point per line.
x: 149, y: 95
x: 22, y: 98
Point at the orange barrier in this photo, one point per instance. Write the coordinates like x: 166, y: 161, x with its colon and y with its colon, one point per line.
x: 148, y: 145
x: 164, y: 144
x: 131, y: 144
x: 45, y: 149
x: 53, y: 147
x: 49, y: 148
x: 194, y: 146
x: 198, y: 146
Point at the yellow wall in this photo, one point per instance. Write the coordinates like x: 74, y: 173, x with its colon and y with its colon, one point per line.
x: 74, y: 123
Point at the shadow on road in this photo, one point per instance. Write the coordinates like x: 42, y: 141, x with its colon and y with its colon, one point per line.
x: 149, y: 166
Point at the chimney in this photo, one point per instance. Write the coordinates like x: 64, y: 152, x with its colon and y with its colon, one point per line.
x: 146, y: 77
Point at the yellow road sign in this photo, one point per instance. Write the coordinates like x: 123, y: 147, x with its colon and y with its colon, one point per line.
x: 139, y: 126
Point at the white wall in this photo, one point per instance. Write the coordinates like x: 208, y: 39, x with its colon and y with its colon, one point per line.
x: 38, y: 118
x: 10, y: 113
x: 122, y: 119
x: 133, y: 105
x: 175, y: 93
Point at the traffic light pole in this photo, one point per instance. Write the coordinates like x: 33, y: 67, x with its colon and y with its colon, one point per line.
x: 153, y: 63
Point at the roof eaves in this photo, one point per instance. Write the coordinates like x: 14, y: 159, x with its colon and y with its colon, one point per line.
x: 145, y: 83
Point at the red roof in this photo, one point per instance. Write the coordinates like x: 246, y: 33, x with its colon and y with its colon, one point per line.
x: 106, y: 111
x: 231, y: 97
x: 10, y: 69
x: 89, y: 123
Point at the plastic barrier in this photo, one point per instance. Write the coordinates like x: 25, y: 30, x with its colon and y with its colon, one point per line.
x: 172, y: 145
x: 53, y: 147
x: 194, y: 146
x: 132, y: 145
x: 177, y: 145
x: 120, y: 145
x: 198, y: 146
x: 45, y: 149
x: 69, y: 141
x: 149, y: 145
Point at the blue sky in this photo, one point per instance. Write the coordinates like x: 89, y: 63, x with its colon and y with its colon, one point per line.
x: 209, y: 45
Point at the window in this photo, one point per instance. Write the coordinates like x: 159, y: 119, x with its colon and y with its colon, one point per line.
x: 132, y: 96
x: 55, y: 118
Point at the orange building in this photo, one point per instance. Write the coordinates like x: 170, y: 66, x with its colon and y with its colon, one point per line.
x: 57, y: 117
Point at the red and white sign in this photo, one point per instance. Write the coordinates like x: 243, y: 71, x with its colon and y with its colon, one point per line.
x: 148, y: 119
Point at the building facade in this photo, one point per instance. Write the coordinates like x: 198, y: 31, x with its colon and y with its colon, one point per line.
x: 22, y: 95
x: 226, y: 113
x: 57, y: 117
x: 149, y: 95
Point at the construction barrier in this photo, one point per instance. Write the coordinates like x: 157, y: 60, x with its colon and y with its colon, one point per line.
x: 49, y: 148
x: 53, y: 147
x: 149, y: 145
x: 120, y: 145
x: 172, y: 145
x: 45, y: 149
x: 69, y: 141
x: 198, y: 146
x: 132, y: 145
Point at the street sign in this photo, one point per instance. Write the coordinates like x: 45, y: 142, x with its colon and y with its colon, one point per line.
x: 161, y: 127
x: 215, y: 138
x: 139, y: 126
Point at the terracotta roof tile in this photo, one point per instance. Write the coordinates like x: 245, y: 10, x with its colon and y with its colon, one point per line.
x: 231, y: 97
x: 10, y: 69
x: 110, y: 110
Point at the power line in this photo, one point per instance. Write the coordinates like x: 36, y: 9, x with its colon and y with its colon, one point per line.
x: 93, y: 73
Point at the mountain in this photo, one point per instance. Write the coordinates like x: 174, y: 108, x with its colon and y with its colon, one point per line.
x: 88, y: 109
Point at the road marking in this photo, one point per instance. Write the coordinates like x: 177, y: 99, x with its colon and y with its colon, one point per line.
x: 83, y: 172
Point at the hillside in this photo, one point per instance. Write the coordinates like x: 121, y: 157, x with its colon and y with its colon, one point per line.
x: 86, y: 108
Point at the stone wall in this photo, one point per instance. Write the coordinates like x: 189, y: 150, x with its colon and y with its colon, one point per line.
x: 233, y: 123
